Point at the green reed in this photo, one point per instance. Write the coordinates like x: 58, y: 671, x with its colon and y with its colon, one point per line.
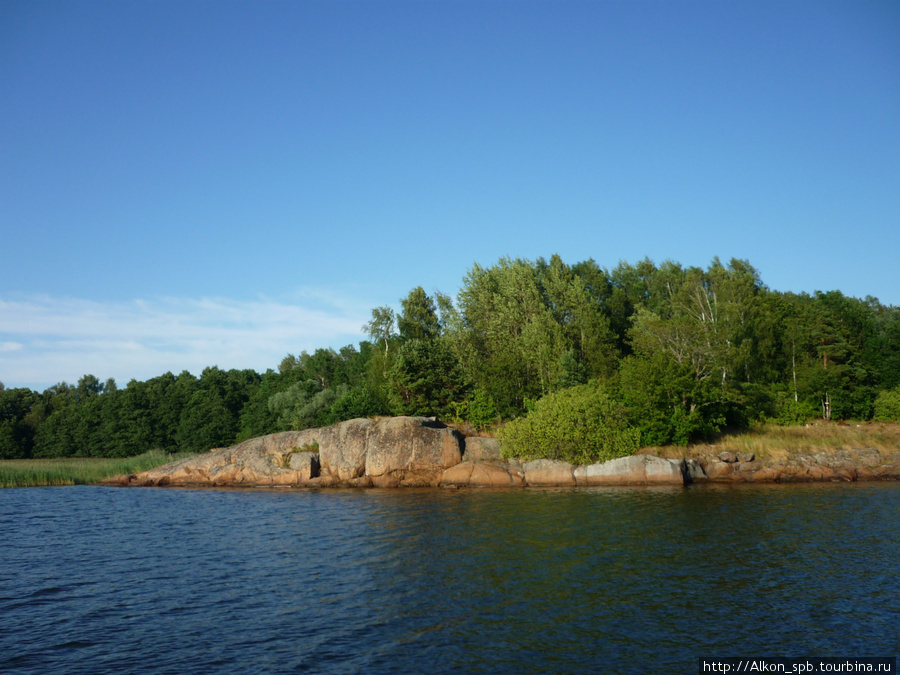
x: 77, y: 470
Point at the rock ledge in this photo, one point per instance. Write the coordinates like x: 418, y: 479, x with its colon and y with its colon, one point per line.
x: 422, y: 452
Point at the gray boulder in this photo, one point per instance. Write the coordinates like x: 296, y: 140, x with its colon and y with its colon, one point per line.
x: 695, y: 471
x: 633, y: 470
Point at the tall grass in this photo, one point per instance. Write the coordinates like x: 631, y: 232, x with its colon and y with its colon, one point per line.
x: 78, y: 470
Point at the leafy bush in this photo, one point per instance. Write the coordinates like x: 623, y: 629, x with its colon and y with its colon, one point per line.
x: 686, y: 426
x: 789, y: 412
x: 482, y: 411
x: 887, y: 405
x: 477, y: 409
x: 580, y: 425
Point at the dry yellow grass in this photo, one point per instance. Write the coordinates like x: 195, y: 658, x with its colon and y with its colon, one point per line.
x: 775, y: 443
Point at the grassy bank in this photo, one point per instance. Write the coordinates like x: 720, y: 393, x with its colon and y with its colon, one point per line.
x: 776, y: 443
x: 77, y: 470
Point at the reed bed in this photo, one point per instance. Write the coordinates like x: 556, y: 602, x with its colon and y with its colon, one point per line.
x: 77, y: 470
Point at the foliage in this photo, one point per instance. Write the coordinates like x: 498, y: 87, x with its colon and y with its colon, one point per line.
x: 528, y: 329
x: 426, y: 377
x: 694, y: 338
x: 791, y: 412
x: 381, y: 326
x: 206, y: 423
x: 16, y: 427
x: 581, y: 425
x: 510, y: 344
x: 305, y: 405
x: 167, y: 413
x: 418, y: 320
x: 684, y: 351
x: 357, y: 402
x: 887, y: 405
x: 481, y: 410
x: 659, y: 397
x: 256, y: 418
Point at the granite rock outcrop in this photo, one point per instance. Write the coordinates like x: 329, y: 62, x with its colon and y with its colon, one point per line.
x: 392, y: 452
x: 807, y: 467
x: 422, y: 452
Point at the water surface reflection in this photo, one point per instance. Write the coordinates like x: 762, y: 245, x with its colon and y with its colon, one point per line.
x: 617, y: 580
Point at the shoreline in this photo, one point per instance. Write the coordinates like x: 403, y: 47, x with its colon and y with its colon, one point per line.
x: 819, y: 452
x: 404, y: 452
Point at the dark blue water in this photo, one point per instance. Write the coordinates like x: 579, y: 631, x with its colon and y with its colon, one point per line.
x: 105, y: 580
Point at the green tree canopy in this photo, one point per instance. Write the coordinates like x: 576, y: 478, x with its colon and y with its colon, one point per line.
x: 419, y: 319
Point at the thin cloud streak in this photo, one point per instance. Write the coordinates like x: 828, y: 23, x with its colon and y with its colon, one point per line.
x: 44, y: 340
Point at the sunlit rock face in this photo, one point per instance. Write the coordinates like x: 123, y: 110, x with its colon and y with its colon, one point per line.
x: 633, y: 470
x: 422, y: 452
x: 392, y: 452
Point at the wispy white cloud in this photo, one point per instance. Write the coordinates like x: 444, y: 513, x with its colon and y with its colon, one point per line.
x: 44, y: 339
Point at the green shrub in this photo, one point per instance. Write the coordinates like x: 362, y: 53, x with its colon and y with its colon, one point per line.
x: 580, y: 425
x: 789, y: 412
x: 482, y: 411
x: 887, y: 405
x: 477, y: 409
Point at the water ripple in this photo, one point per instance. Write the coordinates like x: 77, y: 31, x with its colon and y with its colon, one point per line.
x: 98, y: 580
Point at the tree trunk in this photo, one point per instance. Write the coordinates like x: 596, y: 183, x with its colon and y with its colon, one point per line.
x: 826, y: 407
x: 794, y: 369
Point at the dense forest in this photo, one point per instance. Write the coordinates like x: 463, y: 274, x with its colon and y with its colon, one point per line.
x: 674, y: 353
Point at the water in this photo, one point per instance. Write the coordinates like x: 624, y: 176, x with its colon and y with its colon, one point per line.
x: 612, y: 580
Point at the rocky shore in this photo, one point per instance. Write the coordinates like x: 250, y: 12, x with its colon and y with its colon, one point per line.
x: 422, y: 452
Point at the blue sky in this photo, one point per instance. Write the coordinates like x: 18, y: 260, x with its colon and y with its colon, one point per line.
x: 185, y: 184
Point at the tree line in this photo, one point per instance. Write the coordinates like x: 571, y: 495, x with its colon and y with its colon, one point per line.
x: 674, y: 353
